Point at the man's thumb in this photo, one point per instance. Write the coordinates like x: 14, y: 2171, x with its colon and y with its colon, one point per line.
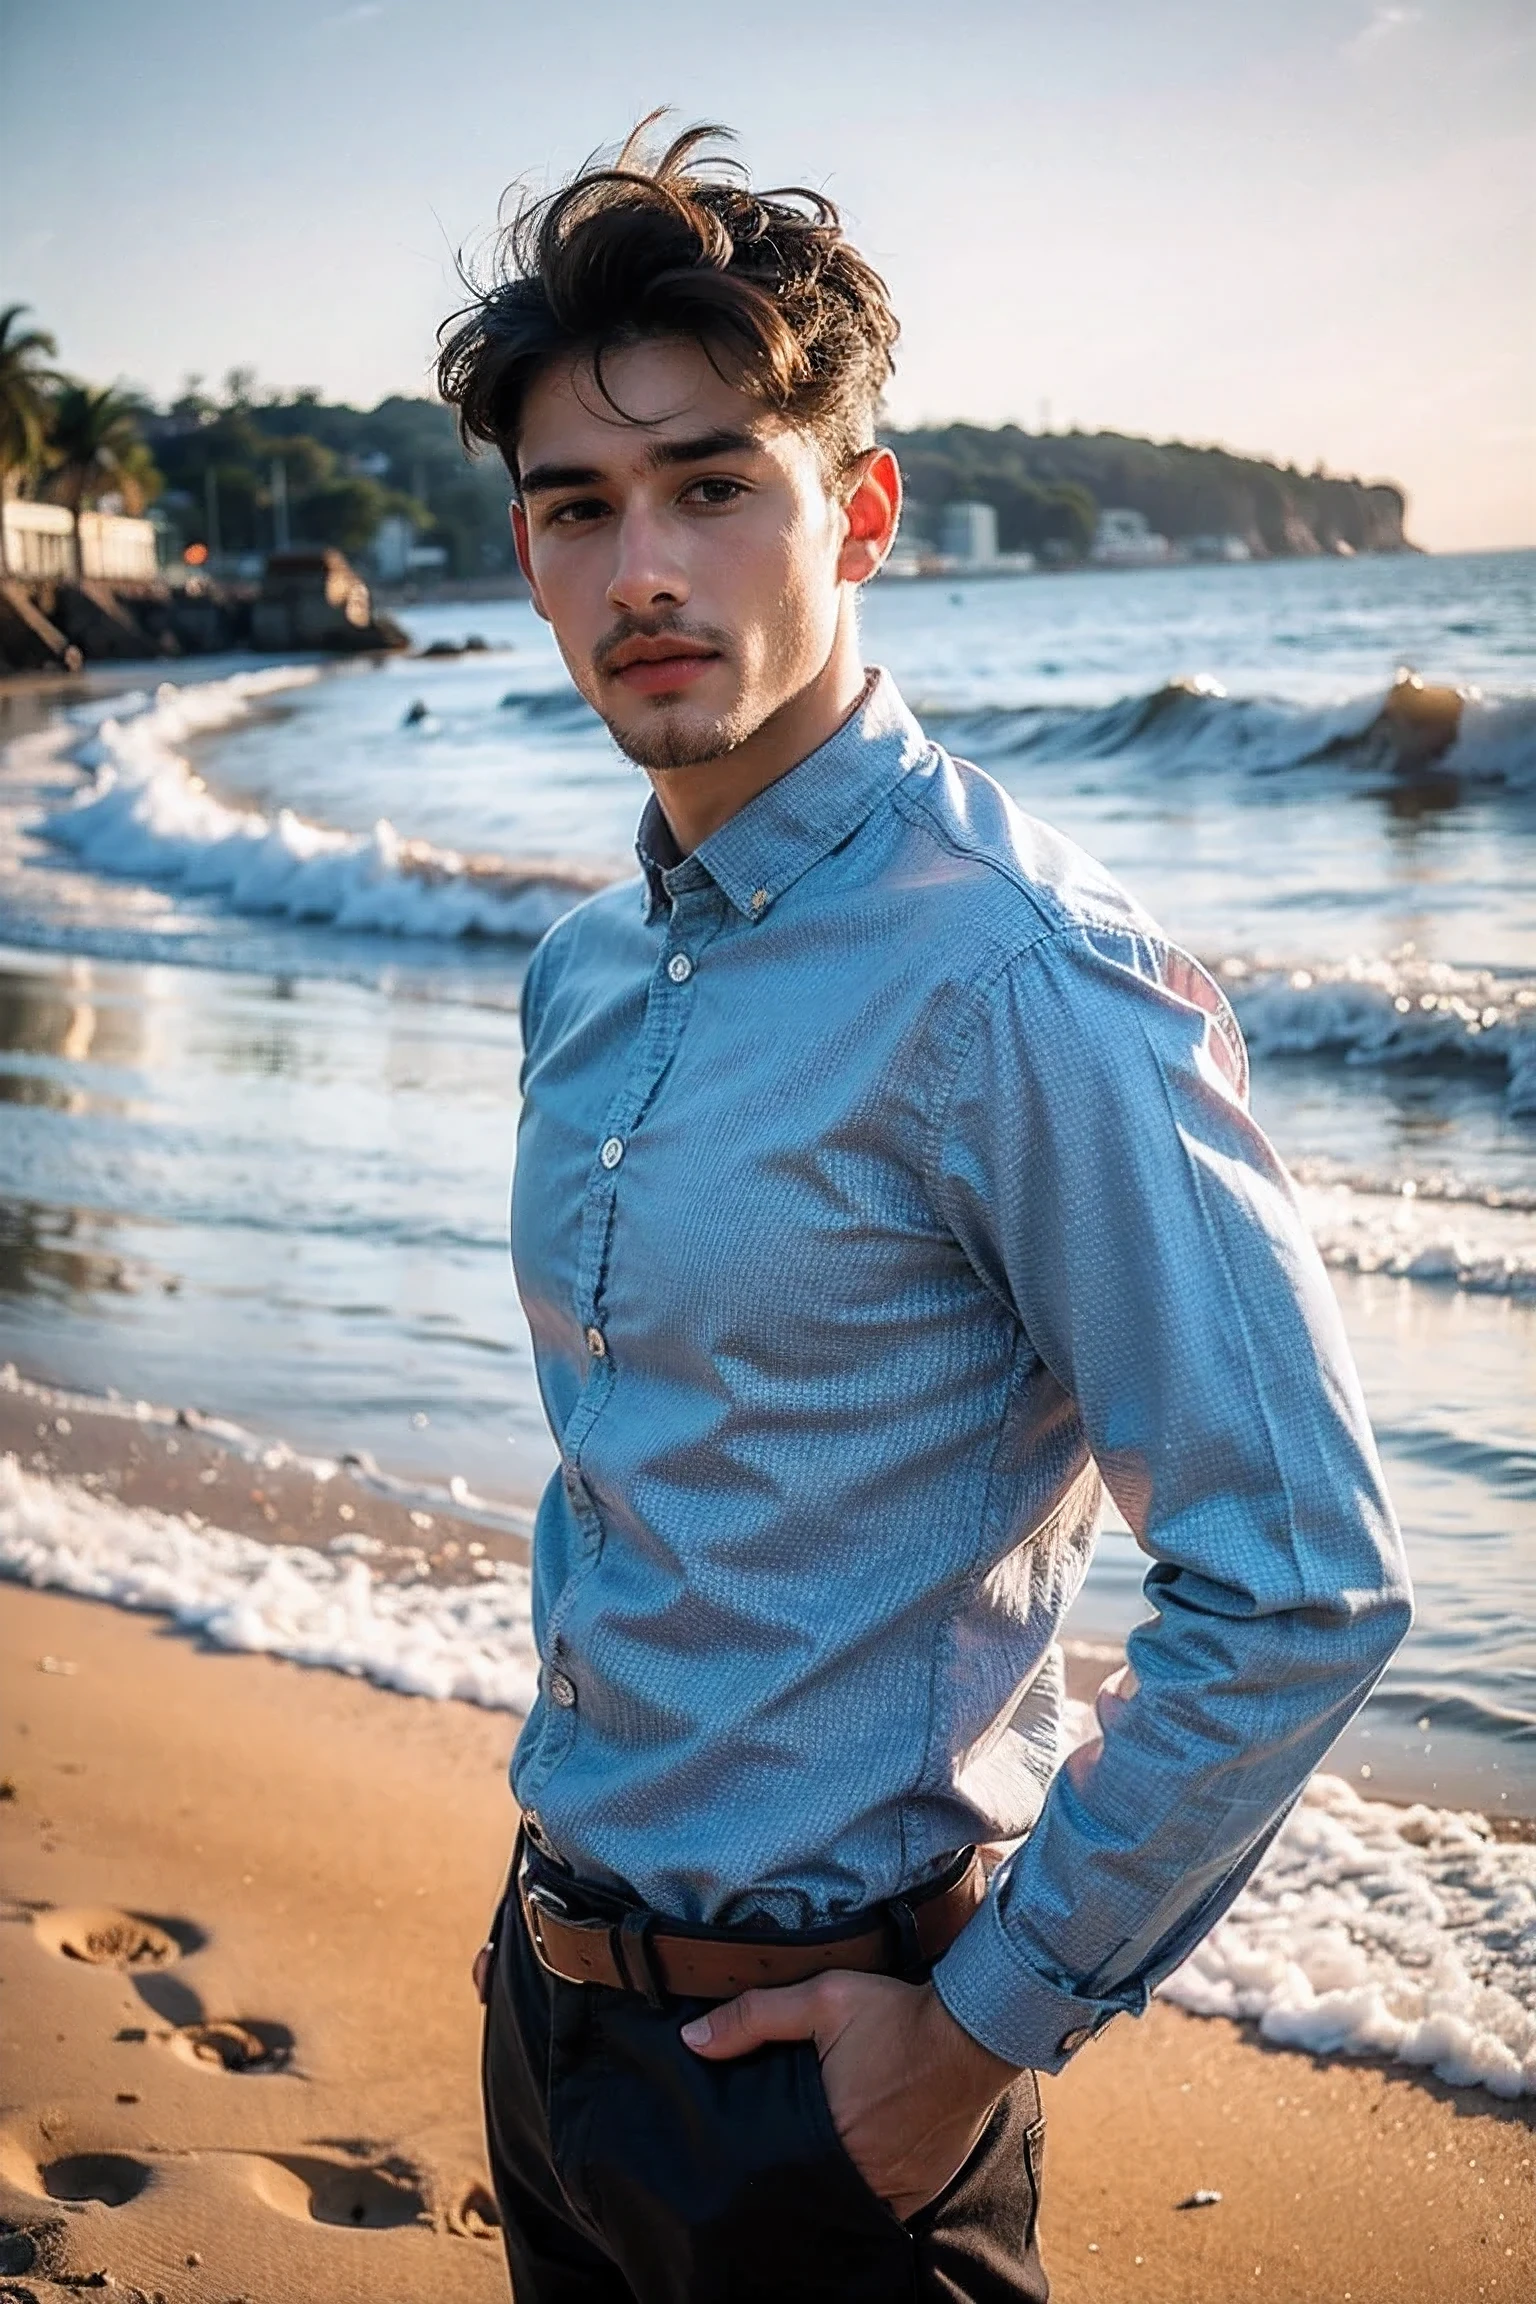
x: 738, y: 2026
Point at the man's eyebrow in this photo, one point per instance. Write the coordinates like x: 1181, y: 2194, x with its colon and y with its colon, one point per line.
x: 541, y: 479
x: 727, y: 440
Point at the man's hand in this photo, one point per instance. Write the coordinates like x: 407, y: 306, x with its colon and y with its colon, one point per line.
x: 909, y: 2090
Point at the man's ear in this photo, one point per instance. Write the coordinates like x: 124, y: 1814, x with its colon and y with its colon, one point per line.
x: 520, y: 546
x: 873, y: 511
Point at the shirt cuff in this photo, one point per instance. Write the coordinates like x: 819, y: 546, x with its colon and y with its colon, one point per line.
x: 993, y: 1993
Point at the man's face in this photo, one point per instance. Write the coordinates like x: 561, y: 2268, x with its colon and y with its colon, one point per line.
x: 687, y: 554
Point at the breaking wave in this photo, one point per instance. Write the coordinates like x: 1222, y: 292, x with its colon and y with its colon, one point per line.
x: 1193, y: 724
x: 147, y: 815
x: 1402, y: 1010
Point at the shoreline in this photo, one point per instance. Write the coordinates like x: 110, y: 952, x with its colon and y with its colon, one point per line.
x: 160, y: 1459
x: 277, y: 2098
x: 1405, y: 1929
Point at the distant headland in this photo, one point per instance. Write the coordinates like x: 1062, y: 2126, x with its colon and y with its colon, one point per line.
x: 105, y: 491
x: 1066, y: 498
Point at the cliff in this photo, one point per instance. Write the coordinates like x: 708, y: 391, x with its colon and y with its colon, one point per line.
x: 1046, y: 489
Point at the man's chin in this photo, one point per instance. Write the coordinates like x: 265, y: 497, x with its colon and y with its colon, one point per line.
x: 672, y: 736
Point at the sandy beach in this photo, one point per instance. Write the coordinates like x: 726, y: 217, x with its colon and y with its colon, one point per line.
x: 240, y: 2043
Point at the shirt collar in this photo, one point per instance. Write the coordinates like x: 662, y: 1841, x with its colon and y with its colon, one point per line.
x: 780, y: 833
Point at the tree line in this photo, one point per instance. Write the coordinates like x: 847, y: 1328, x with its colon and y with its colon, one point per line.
x: 232, y: 473
x: 235, y: 472
x: 1048, y: 488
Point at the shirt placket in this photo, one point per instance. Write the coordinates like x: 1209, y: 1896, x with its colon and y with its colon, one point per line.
x: 697, y: 914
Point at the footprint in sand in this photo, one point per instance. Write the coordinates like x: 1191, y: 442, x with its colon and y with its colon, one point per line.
x: 113, y: 2178
x: 324, y: 2191
x: 103, y: 1937
x: 476, y: 2216
x: 235, y: 2044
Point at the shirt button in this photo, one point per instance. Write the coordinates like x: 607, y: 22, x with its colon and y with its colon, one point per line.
x: 562, y: 1691
x: 612, y: 1152
x: 1070, y: 2042
x: 679, y: 967
x: 759, y: 898
x: 595, y: 1343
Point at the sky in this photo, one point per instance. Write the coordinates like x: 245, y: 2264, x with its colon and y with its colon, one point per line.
x: 1304, y: 230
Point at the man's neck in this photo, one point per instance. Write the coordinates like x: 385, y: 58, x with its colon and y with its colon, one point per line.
x: 698, y: 800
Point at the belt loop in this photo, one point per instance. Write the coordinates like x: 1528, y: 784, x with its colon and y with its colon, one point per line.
x: 632, y: 1941
x: 511, y: 1888
x: 911, y: 1962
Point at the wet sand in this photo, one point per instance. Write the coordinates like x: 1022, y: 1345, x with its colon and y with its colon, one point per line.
x: 239, y: 2042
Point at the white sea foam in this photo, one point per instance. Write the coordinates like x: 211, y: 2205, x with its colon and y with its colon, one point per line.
x: 1400, y: 1010
x: 146, y: 814
x: 1376, y: 1931
x: 1413, y: 1237
x: 1408, y: 1933
x: 471, y: 1641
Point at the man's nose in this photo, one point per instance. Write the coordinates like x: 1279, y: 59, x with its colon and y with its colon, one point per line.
x: 647, y: 569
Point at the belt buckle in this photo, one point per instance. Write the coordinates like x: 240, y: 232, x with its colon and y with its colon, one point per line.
x: 539, y: 1901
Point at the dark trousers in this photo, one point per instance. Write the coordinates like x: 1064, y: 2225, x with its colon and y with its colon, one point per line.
x: 630, y: 2171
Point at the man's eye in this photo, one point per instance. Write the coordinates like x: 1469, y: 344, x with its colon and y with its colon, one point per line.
x: 715, y: 491
x: 572, y: 515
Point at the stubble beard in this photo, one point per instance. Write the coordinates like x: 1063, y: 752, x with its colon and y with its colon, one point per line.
x: 669, y: 742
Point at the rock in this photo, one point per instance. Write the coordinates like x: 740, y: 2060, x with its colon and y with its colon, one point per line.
x: 1420, y: 719
x: 316, y: 599
x: 29, y: 639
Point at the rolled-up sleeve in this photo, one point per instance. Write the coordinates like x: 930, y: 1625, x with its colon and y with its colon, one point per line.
x: 1096, y: 1159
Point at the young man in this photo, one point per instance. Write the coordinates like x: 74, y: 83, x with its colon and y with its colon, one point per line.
x: 885, y: 1182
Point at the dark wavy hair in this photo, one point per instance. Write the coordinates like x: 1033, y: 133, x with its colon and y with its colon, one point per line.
x: 784, y: 306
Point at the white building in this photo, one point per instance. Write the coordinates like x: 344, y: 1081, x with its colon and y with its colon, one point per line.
x: 1123, y: 539
x: 396, y: 554
x: 40, y: 542
x: 968, y: 533
x: 1226, y: 547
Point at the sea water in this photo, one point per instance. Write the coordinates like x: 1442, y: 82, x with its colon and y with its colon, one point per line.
x: 264, y: 932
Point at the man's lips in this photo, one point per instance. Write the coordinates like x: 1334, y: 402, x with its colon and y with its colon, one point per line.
x: 653, y: 667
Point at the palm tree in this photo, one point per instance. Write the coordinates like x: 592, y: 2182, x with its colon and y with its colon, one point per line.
x: 94, y: 444
x: 24, y: 383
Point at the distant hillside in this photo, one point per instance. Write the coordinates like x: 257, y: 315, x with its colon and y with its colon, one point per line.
x: 346, y: 468
x: 1048, y: 488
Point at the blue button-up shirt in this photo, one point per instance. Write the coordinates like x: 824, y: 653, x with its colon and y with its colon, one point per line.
x: 885, y: 1183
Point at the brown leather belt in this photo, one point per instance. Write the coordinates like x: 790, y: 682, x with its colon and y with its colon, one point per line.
x: 638, y: 1951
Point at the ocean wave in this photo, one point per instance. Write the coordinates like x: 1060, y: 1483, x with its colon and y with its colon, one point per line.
x: 1396, y: 1011
x: 1408, y: 1933
x: 147, y: 815
x: 1477, y: 1243
x: 562, y: 709
x: 1193, y: 724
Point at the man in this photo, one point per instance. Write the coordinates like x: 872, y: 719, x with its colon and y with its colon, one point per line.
x: 885, y: 1181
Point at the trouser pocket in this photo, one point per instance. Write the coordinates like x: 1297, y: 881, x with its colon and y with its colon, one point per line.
x: 724, y: 2183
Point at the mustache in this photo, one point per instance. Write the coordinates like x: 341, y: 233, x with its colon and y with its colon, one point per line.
x: 669, y: 626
